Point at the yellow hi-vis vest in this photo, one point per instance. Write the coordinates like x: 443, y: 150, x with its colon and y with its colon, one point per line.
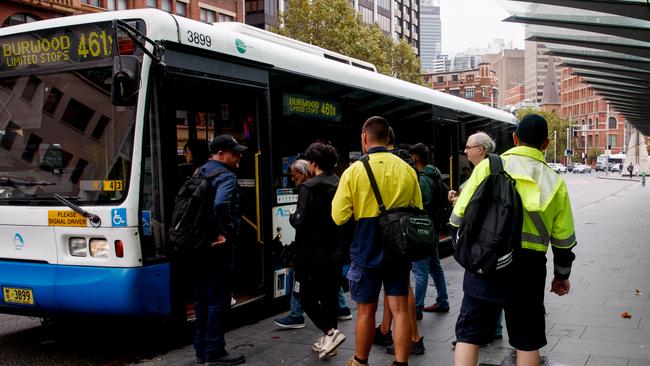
x: 547, y: 218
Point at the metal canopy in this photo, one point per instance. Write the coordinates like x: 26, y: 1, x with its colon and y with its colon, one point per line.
x: 606, y: 42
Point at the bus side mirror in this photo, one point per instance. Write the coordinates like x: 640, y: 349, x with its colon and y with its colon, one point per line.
x: 126, y: 80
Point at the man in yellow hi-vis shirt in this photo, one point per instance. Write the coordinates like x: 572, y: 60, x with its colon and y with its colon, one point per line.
x: 547, y: 220
x: 369, y: 270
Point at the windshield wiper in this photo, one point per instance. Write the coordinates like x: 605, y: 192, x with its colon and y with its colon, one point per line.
x: 95, y: 220
x: 15, y: 182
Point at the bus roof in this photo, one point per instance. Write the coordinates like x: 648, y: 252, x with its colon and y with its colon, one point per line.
x: 246, y: 42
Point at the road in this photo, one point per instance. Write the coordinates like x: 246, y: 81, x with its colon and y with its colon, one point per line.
x: 24, y: 341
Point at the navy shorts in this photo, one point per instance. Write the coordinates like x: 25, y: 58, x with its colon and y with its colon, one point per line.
x: 524, y: 320
x: 365, y: 283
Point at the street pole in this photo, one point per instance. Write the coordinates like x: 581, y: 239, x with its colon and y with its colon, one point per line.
x: 555, y: 145
x: 568, y: 145
x: 585, y: 129
x: 607, y: 150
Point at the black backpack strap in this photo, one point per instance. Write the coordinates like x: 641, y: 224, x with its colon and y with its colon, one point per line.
x: 496, y: 165
x: 211, y: 175
x: 373, y: 183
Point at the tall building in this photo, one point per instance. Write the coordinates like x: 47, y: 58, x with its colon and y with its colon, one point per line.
x: 595, y: 125
x: 509, y: 68
x: 405, y: 16
x: 465, y: 61
x: 209, y: 11
x: 535, y: 64
x: 430, y: 35
x: 263, y: 13
x: 479, y: 85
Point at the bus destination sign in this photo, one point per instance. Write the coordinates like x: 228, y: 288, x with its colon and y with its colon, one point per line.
x: 305, y: 106
x: 54, y: 47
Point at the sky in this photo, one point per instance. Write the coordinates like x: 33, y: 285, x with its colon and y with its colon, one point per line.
x: 474, y: 23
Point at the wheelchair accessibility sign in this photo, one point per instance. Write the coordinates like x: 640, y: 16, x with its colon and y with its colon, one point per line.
x: 118, y: 217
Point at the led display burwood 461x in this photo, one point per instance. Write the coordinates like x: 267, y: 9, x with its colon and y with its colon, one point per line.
x: 52, y: 49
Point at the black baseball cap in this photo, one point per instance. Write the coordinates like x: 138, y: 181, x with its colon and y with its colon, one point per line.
x: 532, y: 129
x: 226, y: 143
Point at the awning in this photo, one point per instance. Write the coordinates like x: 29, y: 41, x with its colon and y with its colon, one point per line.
x: 606, y: 42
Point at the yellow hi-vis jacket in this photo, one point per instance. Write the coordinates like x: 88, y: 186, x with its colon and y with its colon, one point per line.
x: 547, y: 218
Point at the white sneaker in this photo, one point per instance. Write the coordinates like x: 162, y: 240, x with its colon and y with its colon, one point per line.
x: 232, y: 301
x: 330, y: 344
x: 318, y: 345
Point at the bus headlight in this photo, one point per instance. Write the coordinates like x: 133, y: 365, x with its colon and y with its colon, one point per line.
x: 78, y: 247
x: 99, y: 248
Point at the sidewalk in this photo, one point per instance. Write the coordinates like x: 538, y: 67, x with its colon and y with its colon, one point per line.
x: 584, y: 328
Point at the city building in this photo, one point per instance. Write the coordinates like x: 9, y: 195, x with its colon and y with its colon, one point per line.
x: 514, y: 95
x: 479, y: 85
x: 263, y: 13
x: 430, y: 36
x: 209, y: 11
x: 508, y: 64
x: 535, y: 64
x: 595, y: 124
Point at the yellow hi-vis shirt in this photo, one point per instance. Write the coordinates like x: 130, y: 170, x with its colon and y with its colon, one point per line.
x: 547, y: 218
x: 398, y: 186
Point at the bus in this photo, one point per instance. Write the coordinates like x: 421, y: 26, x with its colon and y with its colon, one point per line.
x: 95, y: 110
x: 613, y: 162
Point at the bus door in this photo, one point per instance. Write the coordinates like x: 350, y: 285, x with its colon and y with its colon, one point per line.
x: 191, y: 111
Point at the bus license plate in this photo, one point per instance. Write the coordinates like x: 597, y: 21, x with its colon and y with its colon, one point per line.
x: 23, y: 296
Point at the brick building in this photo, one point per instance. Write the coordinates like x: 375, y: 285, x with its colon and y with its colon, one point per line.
x: 209, y: 11
x: 588, y: 112
x: 478, y: 85
x: 514, y: 95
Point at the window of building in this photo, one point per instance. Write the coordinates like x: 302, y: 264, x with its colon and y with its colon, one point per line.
x: 226, y: 18
x: 469, y: 78
x: 384, y: 22
x: 455, y: 92
x: 612, y: 122
x: 116, y: 4
x: 208, y: 16
x: 470, y: 93
x: 91, y: 2
x: 484, y: 92
x: 454, y: 78
x: 30, y: 88
x: 77, y: 115
x: 590, y: 125
x: 367, y: 15
x: 181, y: 8
x: 52, y: 101
x: 166, y: 5
x: 384, y: 4
x: 19, y: 18
x: 440, y: 79
x: 611, y: 140
x: 255, y: 6
x: 151, y: 3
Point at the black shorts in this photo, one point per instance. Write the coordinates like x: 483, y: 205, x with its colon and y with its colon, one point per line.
x: 524, y: 317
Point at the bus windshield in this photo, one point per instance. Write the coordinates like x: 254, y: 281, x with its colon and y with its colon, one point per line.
x: 59, y: 133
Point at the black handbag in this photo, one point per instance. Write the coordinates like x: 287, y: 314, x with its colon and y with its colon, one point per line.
x: 405, y: 233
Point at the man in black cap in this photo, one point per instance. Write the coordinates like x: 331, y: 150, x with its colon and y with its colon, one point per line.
x: 212, y: 264
x: 547, y: 221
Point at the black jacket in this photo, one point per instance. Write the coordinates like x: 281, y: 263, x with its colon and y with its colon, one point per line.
x: 318, y: 238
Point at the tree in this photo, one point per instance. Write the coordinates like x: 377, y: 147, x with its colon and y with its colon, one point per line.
x: 555, y: 123
x: 336, y: 26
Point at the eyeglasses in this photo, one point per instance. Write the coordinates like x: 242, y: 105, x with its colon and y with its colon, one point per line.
x: 467, y: 147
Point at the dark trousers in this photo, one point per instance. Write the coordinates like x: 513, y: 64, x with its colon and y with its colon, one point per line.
x: 319, y: 293
x: 211, y: 285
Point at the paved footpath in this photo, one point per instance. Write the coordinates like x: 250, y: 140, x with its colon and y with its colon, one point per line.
x: 584, y: 328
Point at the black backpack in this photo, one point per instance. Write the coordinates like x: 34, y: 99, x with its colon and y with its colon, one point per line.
x: 490, y: 229
x: 442, y: 207
x: 192, y: 213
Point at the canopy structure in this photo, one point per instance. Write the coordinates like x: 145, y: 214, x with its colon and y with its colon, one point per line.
x: 607, y: 42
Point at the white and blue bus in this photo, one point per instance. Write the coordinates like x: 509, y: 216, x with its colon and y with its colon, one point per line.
x: 95, y: 110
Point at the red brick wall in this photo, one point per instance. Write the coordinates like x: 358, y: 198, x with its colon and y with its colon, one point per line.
x: 10, y: 8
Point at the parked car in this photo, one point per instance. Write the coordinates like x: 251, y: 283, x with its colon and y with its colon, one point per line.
x: 600, y: 167
x: 558, y: 167
x: 570, y: 166
x: 614, y: 167
x: 581, y: 168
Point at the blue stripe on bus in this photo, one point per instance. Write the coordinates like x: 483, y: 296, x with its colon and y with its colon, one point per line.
x: 142, y: 291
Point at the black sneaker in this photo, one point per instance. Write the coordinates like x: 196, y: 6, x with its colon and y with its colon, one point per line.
x: 417, y: 348
x: 382, y: 339
x: 227, y: 359
x: 344, y: 314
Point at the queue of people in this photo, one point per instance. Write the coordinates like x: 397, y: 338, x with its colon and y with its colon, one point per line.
x: 326, y: 202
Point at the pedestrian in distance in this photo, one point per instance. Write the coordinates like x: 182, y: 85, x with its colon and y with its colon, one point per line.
x: 630, y: 169
x: 212, y: 263
x: 643, y: 178
x: 319, y: 247
x: 369, y: 269
x: 548, y: 220
x: 430, y: 185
